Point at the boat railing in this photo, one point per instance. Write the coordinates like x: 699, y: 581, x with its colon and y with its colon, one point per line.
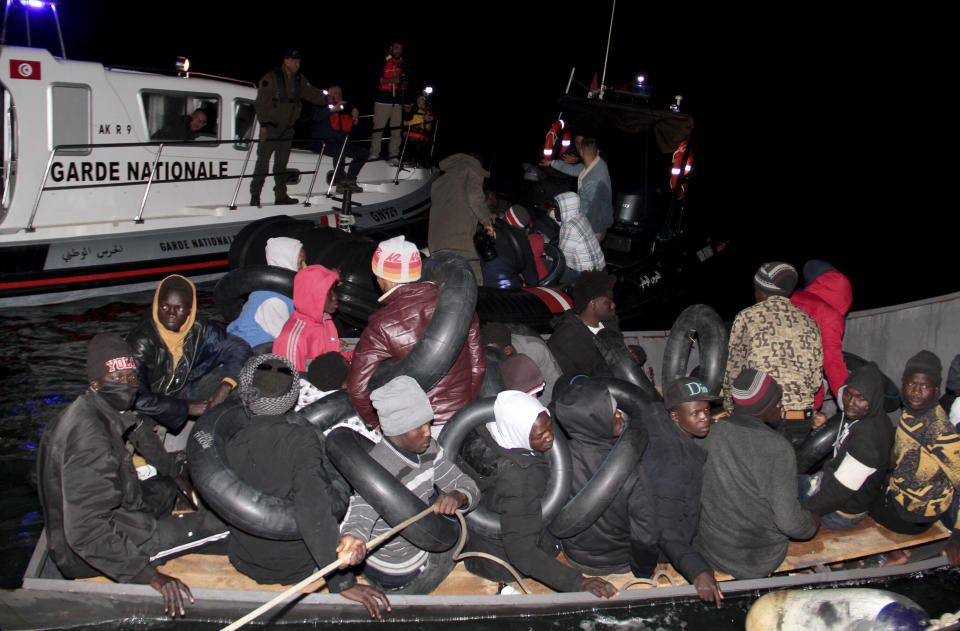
x: 160, y: 145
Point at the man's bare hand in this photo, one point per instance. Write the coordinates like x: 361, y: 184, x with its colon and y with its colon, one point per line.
x: 569, y: 158
x: 351, y: 551
x: 263, y: 134
x: 368, y: 597
x: 720, y: 415
x: 170, y: 588
x: 196, y: 408
x: 707, y: 588
x: 819, y: 419
x: 448, y: 503
x: 220, y: 394
x: 598, y: 587
x: 545, y: 162
x: 490, y: 230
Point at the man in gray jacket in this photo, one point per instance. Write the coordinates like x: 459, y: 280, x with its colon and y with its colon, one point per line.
x: 749, y: 508
x: 593, y: 185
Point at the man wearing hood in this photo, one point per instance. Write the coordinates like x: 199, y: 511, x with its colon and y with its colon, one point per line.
x: 624, y: 537
x: 394, y: 329
x: 286, y: 460
x: 97, y: 521
x: 853, y: 478
x: 265, y: 312
x: 457, y: 206
x: 826, y: 299
x: 574, y: 343
x: 925, y: 481
x: 748, y: 506
x: 175, y: 350
x: 311, y: 332
x: 579, y: 244
x: 593, y: 185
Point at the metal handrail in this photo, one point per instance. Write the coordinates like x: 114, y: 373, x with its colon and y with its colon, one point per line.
x: 336, y: 167
x: 243, y: 169
x: 313, y: 180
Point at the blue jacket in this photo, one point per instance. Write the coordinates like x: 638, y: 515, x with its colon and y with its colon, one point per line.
x: 595, y: 190
x: 246, y: 327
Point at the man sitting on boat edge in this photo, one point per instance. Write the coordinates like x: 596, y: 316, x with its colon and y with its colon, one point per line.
x: 409, y: 453
x: 97, y: 521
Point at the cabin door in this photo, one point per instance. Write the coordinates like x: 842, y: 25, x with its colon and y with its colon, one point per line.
x: 8, y: 154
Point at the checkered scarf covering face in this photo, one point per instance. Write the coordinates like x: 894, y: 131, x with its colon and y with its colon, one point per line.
x: 250, y: 394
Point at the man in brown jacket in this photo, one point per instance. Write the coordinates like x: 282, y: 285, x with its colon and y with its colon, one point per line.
x: 278, y: 108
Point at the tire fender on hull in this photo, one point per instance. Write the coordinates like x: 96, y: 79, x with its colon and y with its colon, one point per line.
x: 557, y: 267
x: 703, y: 323
x: 480, y: 412
x: 386, y: 494
x: 232, y: 290
x: 436, y: 350
x: 593, y: 499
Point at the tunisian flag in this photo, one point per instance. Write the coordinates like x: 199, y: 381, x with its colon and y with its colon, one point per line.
x: 24, y: 69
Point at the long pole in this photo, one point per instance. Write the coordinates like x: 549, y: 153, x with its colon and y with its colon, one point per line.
x: 321, y: 573
x: 606, y: 56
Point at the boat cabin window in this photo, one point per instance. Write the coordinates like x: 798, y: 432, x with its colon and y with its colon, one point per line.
x: 244, y: 117
x: 181, y: 116
x: 70, y: 118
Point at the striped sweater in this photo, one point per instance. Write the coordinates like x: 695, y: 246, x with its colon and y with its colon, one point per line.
x: 398, y: 556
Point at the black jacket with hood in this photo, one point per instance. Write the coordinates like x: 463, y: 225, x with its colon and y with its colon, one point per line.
x: 626, y: 533
x: 165, y: 389
x: 854, y: 476
x: 575, y: 346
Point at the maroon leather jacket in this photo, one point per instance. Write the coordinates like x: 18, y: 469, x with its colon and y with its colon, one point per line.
x: 391, y: 333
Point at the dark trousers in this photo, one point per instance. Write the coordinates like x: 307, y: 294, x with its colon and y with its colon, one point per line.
x: 277, y: 144
x: 358, y: 157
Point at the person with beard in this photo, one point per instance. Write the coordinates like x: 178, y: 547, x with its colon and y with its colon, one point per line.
x: 520, y: 435
x: 624, y: 537
x: 97, y: 521
x: 286, y: 460
x: 185, y: 364
x: 853, y: 477
x: 310, y: 331
x: 923, y: 485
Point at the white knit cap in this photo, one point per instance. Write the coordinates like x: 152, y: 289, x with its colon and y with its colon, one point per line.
x: 283, y: 252
x: 515, y: 413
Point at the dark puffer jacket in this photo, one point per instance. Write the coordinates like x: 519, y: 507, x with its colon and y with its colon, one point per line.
x: 391, y: 333
x: 96, y: 519
x: 626, y: 533
x: 854, y: 476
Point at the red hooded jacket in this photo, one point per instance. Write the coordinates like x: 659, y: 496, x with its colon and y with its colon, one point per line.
x: 309, y: 332
x: 827, y: 300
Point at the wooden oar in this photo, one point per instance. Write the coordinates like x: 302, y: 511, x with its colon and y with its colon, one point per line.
x: 319, y: 574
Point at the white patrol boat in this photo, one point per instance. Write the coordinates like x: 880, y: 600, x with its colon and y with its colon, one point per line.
x: 94, y: 202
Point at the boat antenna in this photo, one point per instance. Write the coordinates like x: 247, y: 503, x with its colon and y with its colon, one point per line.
x: 567, y: 91
x: 606, y: 56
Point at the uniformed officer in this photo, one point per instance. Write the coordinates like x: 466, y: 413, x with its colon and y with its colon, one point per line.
x: 278, y: 108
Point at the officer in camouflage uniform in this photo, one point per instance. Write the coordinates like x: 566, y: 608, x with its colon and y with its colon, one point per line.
x: 278, y: 108
x: 777, y: 338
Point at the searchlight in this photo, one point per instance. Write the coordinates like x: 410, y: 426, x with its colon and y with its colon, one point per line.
x: 183, y: 66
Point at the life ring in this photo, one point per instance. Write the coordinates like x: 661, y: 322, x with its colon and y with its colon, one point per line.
x: 392, y: 500
x: 554, y: 134
x: 817, y: 445
x: 232, y: 290
x: 622, y: 363
x: 592, y: 500
x: 711, y: 338
x: 240, y: 505
x: 483, y: 520
x: 436, y: 350
x: 681, y: 165
x: 557, y: 267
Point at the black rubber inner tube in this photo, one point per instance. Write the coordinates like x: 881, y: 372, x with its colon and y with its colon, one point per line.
x: 238, y: 503
x: 249, y: 244
x: 481, y: 519
x: 593, y: 499
x: 817, y: 445
x: 622, y: 363
x: 234, y: 287
x: 699, y: 322
x: 436, y: 350
x: 386, y: 494
x: 558, y: 265
x: 328, y: 411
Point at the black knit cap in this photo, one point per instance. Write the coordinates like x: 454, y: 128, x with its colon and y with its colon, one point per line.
x: 108, y: 353
x: 291, y: 53
x: 925, y: 363
x: 755, y: 393
x: 590, y: 285
x: 496, y: 333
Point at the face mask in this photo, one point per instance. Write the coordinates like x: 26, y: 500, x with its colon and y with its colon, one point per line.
x: 119, y: 396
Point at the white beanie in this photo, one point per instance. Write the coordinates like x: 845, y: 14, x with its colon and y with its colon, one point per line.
x: 397, y: 260
x: 283, y: 252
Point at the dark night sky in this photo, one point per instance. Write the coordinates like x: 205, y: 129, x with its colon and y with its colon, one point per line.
x: 804, y: 141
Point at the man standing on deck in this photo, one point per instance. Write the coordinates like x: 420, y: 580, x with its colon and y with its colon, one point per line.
x: 278, y: 108
x: 389, y: 102
x: 777, y: 338
x: 593, y: 184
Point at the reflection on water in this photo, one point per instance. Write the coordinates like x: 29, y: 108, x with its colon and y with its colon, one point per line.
x: 42, y: 369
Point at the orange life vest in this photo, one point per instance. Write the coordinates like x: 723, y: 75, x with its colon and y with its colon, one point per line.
x: 392, y: 68
x: 417, y: 128
x: 341, y: 121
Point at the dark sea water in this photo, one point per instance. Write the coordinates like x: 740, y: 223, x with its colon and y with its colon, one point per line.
x: 42, y: 370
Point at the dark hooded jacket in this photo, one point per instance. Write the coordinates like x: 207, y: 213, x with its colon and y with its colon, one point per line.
x: 516, y: 491
x: 855, y: 475
x: 165, y: 389
x: 514, y: 266
x: 674, y: 465
x: 96, y: 519
x: 575, y: 347
x: 827, y: 300
x: 625, y: 534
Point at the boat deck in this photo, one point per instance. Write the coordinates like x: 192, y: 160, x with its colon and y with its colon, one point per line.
x: 828, y: 547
